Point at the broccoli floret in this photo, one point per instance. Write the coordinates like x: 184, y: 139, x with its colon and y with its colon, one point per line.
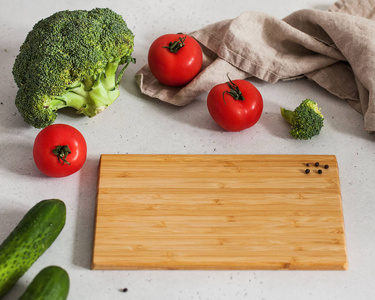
x: 71, y: 59
x: 306, y: 120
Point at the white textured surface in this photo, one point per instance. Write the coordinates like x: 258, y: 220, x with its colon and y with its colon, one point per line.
x: 136, y: 124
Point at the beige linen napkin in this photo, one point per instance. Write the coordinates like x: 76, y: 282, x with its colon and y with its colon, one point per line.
x: 334, y: 48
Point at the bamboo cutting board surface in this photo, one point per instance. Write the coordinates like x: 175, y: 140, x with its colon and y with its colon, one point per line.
x: 218, y: 212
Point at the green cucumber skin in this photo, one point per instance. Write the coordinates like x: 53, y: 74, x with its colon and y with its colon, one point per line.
x: 33, y: 235
x: 51, y: 283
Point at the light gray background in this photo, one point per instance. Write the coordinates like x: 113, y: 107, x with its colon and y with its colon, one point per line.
x: 137, y: 124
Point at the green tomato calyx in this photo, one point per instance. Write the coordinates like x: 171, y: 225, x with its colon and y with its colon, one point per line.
x: 176, y: 45
x: 62, y: 153
x: 234, y: 91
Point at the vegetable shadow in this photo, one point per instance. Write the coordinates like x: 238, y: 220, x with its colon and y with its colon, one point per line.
x: 86, y: 210
x: 8, y: 221
x: 17, y: 157
x: 275, y: 125
x: 16, y: 291
x: 194, y: 114
x: 272, y: 121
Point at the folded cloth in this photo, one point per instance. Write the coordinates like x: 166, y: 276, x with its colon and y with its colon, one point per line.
x: 334, y: 48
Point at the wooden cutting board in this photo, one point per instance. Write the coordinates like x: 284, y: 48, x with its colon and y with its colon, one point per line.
x: 218, y: 212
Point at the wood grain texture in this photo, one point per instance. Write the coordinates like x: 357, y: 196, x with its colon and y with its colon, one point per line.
x: 218, y: 212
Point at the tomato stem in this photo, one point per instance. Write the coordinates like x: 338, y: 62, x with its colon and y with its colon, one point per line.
x: 234, y: 91
x: 176, y: 45
x: 62, y: 153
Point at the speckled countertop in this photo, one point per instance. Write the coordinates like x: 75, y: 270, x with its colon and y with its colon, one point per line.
x: 137, y: 124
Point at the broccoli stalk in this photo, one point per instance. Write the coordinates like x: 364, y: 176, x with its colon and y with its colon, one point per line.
x: 306, y: 120
x: 71, y: 59
x: 93, y: 94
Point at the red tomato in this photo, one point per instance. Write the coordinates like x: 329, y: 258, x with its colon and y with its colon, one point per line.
x: 175, y: 59
x: 235, y: 114
x: 59, y: 150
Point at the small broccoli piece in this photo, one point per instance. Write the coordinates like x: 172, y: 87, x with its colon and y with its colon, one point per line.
x: 71, y: 59
x: 306, y: 120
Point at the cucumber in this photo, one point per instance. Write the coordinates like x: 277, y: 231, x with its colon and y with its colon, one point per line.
x: 51, y: 283
x: 33, y: 235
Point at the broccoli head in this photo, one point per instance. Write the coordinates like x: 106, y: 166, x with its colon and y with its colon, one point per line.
x: 306, y: 120
x: 71, y: 59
